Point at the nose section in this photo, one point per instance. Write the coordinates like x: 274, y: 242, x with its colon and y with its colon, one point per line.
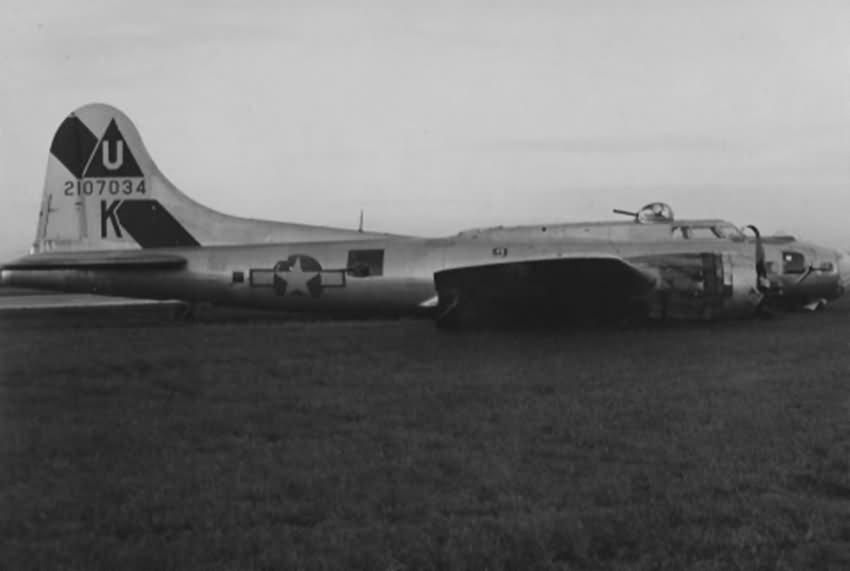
x: 811, y: 272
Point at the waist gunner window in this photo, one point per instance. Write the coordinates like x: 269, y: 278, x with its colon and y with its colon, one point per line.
x: 365, y: 263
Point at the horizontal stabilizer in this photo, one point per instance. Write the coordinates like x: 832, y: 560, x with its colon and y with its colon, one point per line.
x: 98, y: 260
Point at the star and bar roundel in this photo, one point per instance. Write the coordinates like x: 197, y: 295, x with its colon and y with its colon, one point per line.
x: 298, y: 275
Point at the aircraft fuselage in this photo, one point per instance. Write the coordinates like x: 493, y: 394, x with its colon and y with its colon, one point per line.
x: 389, y: 275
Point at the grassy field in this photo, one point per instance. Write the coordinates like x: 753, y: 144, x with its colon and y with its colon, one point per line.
x: 131, y: 442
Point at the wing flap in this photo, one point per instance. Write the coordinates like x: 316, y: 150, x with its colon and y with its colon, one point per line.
x: 98, y: 260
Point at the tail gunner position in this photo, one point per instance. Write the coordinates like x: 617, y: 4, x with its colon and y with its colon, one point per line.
x: 111, y: 223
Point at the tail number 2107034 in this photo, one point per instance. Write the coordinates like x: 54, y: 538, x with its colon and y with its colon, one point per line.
x: 105, y: 186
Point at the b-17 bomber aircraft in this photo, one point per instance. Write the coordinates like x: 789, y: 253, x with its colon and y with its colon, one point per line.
x: 111, y: 223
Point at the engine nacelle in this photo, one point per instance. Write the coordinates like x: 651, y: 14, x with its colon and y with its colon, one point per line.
x: 740, y: 277
x: 707, y: 286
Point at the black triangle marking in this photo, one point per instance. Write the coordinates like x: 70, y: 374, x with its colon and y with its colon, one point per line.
x: 152, y: 226
x: 73, y: 144
x: 112, y: 156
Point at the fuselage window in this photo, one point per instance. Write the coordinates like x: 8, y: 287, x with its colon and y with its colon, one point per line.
x: 793, y: 263
x: 365, y: 263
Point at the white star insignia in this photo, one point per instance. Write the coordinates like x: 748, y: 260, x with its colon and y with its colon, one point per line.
x: 297, y: 279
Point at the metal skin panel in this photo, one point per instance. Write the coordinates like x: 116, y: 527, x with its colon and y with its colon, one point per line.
x: 822, y: 279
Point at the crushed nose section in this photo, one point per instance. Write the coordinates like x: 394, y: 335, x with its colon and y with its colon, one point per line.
x: 802, y: 274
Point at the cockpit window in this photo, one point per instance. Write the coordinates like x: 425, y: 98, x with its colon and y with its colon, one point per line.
x: 707, y: 232
x: 728, y: 232
x: 702, y: 233
x: 793, y: 263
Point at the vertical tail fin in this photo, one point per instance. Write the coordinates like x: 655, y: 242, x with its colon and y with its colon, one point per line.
x: 97, y: 178
x: 103, y: 191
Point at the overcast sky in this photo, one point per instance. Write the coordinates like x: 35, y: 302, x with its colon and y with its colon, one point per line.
x: 436, y: 116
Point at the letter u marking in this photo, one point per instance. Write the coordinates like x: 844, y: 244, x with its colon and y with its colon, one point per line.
x: 119, y: 155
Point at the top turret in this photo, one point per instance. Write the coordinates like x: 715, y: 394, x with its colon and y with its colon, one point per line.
x: 651, y: 213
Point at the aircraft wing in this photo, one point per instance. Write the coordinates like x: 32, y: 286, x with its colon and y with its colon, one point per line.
x: 98, y: 260
x: 564, y: 283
